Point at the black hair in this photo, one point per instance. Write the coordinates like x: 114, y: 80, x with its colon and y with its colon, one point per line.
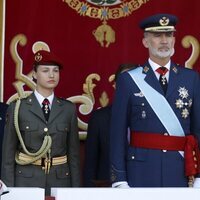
x: 124, y: 67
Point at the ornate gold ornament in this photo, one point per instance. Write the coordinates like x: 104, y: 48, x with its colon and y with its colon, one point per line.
x: 105, y: 10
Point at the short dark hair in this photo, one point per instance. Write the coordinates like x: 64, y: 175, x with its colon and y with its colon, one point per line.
x: 124, y: 67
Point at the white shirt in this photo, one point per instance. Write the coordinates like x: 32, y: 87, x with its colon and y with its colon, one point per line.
x: 155, y: 66
x: 40, y: 98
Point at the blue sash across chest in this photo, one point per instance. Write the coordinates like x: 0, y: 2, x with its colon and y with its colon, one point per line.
x: 158, y: 103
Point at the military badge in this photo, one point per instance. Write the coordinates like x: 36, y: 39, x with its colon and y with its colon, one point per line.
x: 105, y: 10
x: 183, y: 103
x: 164, y: 21
x: 139, y: 94
x: 144, y: 114
x: 179, y: 103
x: 183, y: 93
x: 38, y: 57
x: 185, y: 113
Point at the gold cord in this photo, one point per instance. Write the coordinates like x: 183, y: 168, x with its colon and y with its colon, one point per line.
x: 46, y: 145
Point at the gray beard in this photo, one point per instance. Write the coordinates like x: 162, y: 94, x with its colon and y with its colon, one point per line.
x: 160, y: 54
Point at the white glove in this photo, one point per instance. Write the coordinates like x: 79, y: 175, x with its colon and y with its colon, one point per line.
x: 120, y: 184
x: 196, y: 183
x: 3, y: 188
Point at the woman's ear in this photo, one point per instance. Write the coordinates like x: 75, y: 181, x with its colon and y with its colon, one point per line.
x: 34, y: 75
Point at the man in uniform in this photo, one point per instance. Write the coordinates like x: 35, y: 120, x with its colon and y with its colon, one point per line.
x: 97, y: 158
x: 41, y: 143
x: 160, y: 102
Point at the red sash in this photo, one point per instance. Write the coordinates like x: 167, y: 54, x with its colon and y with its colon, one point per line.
x: 188, y: 144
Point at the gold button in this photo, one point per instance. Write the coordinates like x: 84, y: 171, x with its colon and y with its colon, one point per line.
x: 27, y: 127
x: 45, y: 129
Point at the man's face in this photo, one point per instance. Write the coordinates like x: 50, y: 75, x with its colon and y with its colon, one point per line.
x: 160, y: 45
x: 47, y: 76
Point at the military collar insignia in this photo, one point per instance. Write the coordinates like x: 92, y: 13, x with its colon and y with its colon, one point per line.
x: 145, y: 69
x: 174, y: 68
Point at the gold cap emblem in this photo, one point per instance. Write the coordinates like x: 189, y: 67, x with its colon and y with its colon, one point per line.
x: 38, y: 57
x: 164, y: 21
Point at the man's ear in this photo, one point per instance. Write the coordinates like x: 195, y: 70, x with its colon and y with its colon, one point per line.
x: 145, y: 42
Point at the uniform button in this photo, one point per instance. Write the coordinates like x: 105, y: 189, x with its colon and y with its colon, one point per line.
x: 142, y: 104
x: 195, y: 166
x: 165, y: 133
x: 67, y: 174
x: 45, y: 129
x: 65, y: 129
x: 164, y: 151
x: 27, y: 127
x: 195, y: 159
x: 133, y: 157
x: 0, y: 118
x: 20, y: 172
x: 30, y: 100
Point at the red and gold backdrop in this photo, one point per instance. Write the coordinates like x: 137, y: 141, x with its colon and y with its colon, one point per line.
x: 91, y: 38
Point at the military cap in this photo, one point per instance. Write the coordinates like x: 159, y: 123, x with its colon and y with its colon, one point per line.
x: 159, y: 23
x: 43, y: 57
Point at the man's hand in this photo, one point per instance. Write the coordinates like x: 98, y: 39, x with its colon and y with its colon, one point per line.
x: 196, y: 183
x: 120, y: 184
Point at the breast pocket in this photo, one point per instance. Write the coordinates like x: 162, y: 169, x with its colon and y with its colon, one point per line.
x: 30, y: 134
x: 62, y: 130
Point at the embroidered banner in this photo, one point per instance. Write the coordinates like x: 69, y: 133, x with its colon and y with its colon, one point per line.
x: 92, y: 38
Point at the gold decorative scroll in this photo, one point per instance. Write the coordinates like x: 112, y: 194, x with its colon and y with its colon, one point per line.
x: 87, y: 100
x: 187, y: 42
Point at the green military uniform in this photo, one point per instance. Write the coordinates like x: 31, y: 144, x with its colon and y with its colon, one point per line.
x: 61, y: 127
